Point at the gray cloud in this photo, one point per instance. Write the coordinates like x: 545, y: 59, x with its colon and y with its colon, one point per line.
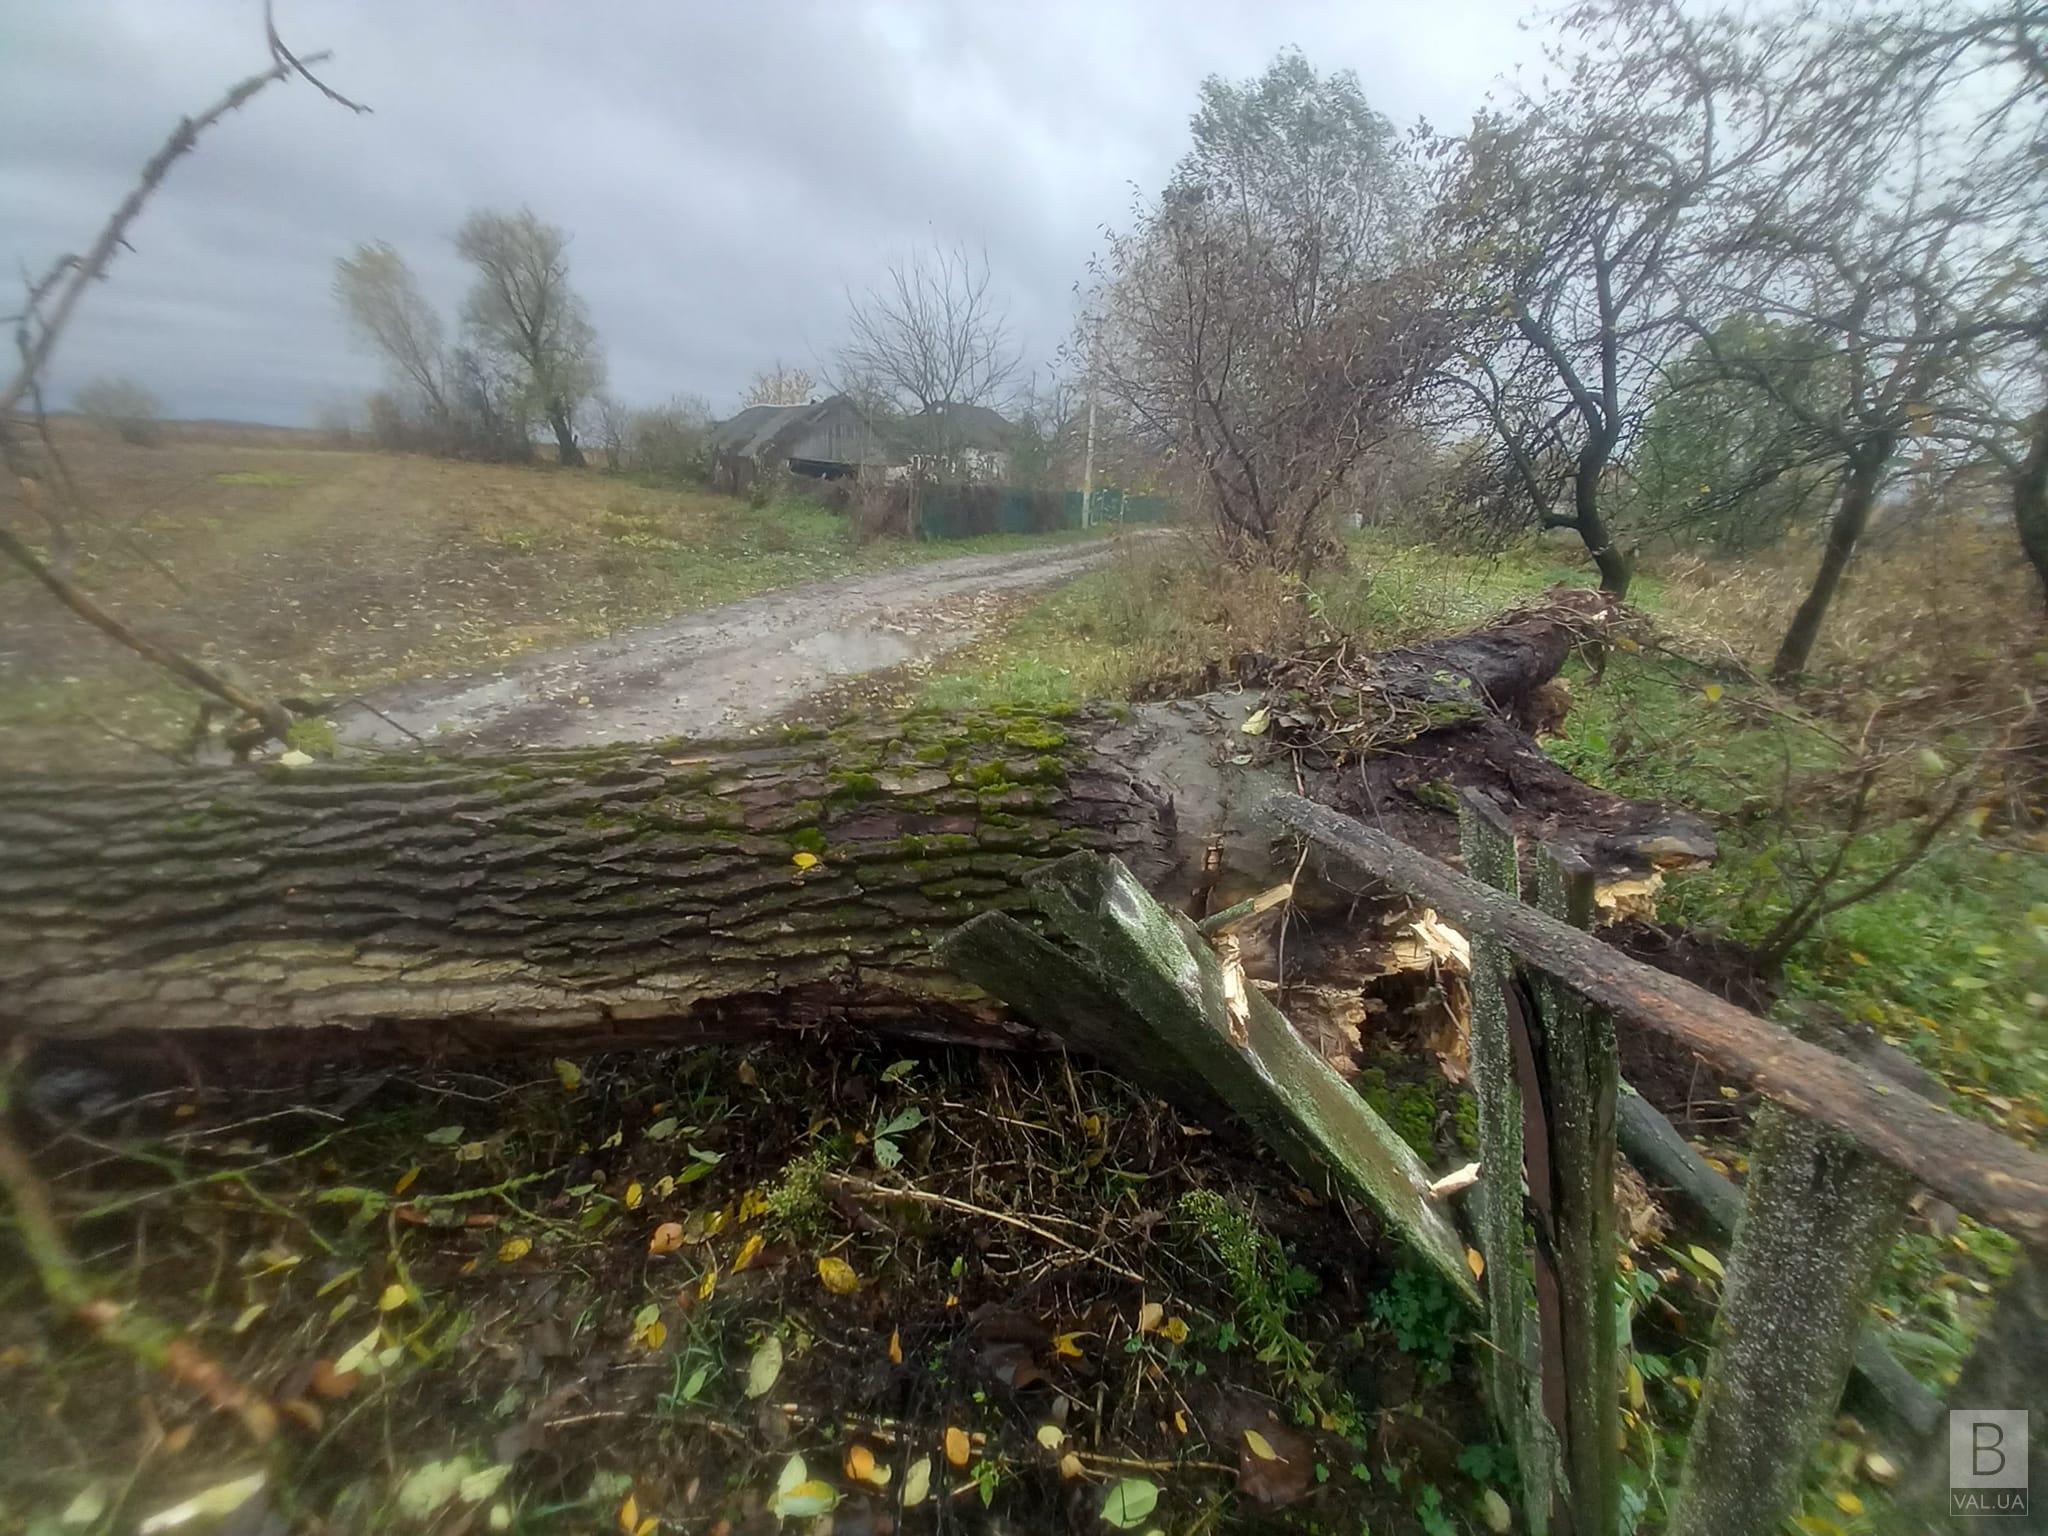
x: 728, y: 170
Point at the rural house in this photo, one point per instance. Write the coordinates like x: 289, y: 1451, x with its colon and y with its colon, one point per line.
x: 827, y: 439
x: 962, y: 442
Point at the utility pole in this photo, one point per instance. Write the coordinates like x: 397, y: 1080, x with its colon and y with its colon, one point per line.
x: 1088, y: 457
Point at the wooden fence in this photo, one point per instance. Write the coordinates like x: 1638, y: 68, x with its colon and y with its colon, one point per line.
x: 1837, y: 1154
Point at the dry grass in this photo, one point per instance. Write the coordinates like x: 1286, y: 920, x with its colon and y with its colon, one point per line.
x: 322, y: 571
x: 1946, y: 613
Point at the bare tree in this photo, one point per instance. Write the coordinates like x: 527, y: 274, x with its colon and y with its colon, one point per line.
x: 930, y: 335
x: 779, y: 385
x: 614, y: 425
x: 1262, y: 322
x: 388, y: 313
x: 1899, y: 239
x: 522, y: 309
x: 122, y: 407
x: 1570, y: 224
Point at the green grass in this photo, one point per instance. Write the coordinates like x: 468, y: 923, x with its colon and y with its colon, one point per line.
x: 1160, y: 614
x: 1951, y: 963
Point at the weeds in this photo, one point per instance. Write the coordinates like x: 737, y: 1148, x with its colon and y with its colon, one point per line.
x: 1266, y: 1286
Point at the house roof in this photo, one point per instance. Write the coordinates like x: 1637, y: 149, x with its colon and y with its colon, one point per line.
x: 832, y: 431
x: 965, y: 426
x: 753, y: 428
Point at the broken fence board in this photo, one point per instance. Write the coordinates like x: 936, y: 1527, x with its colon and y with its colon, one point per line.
x: 1144, y: 991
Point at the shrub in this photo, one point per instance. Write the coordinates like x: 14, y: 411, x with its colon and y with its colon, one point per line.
x: 123, y: 407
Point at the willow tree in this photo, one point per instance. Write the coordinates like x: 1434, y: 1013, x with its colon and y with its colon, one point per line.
x: 522, y: 310
x: 1260, y: 322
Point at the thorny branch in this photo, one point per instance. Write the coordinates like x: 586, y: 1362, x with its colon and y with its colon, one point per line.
x: 51, y: 302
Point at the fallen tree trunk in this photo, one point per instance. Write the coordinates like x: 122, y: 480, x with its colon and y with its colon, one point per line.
x: 681, y: 892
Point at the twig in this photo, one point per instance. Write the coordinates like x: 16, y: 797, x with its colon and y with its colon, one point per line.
x: 275, y: 717
x: 866, y: 1189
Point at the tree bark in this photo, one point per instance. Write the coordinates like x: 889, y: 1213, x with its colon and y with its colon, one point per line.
x: 566, y: 451
x: 1613, y: 563
x: 1852, y: 517
x: 675, y: 892
x: 2030, y: 498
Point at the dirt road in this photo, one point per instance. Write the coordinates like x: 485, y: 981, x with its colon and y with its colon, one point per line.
x: 719, y: 670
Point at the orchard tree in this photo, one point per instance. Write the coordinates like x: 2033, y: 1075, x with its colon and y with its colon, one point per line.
x: 1261, y: 322
x: 1571, y: 223
x: 522, y: 310
x: 1899, y: 242
x: 1718, y: 459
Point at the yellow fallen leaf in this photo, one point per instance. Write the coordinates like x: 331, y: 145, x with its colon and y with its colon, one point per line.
x: 393, y: 1298
x: 633, y: 1196
x: 1150, y: 1316
x: 668, y: 1237
x: 513, y: 1249
x: 629, y: 1515
x: 1712, y: 692
x: 1051, y: 1436
x: 708, y: 1284
x: 805, y: 861
x: 837, y: 1276
x: 1260, y: 1446
x: 895, y: 1347
x: 753, y: 1203
x: 1475, y: 1262
x: 1175, y: 1331
x: 748, y: 1251
x: 1180, y: 1422
x: 917, y: 1482
x: 1848, y: 1503
x: 1063, y: 1345
x: 1070, y: 1466
x: 406, y: 1180
x: 860, y: 1463
x: 570, y: 1074
x: 957, y: 1449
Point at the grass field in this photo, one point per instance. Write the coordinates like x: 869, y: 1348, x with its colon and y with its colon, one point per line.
x: 319, y: 571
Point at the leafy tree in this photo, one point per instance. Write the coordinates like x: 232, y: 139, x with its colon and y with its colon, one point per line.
x: 385, y: 308
x: 1259, y: 322
x: 1897, y: 233
x: 523, y: 312
x: 1717, y: 460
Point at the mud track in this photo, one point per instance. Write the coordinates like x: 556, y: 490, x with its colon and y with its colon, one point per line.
x: 720, y: 670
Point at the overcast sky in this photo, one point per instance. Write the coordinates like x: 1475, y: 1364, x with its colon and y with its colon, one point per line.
x: 727, y: 170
